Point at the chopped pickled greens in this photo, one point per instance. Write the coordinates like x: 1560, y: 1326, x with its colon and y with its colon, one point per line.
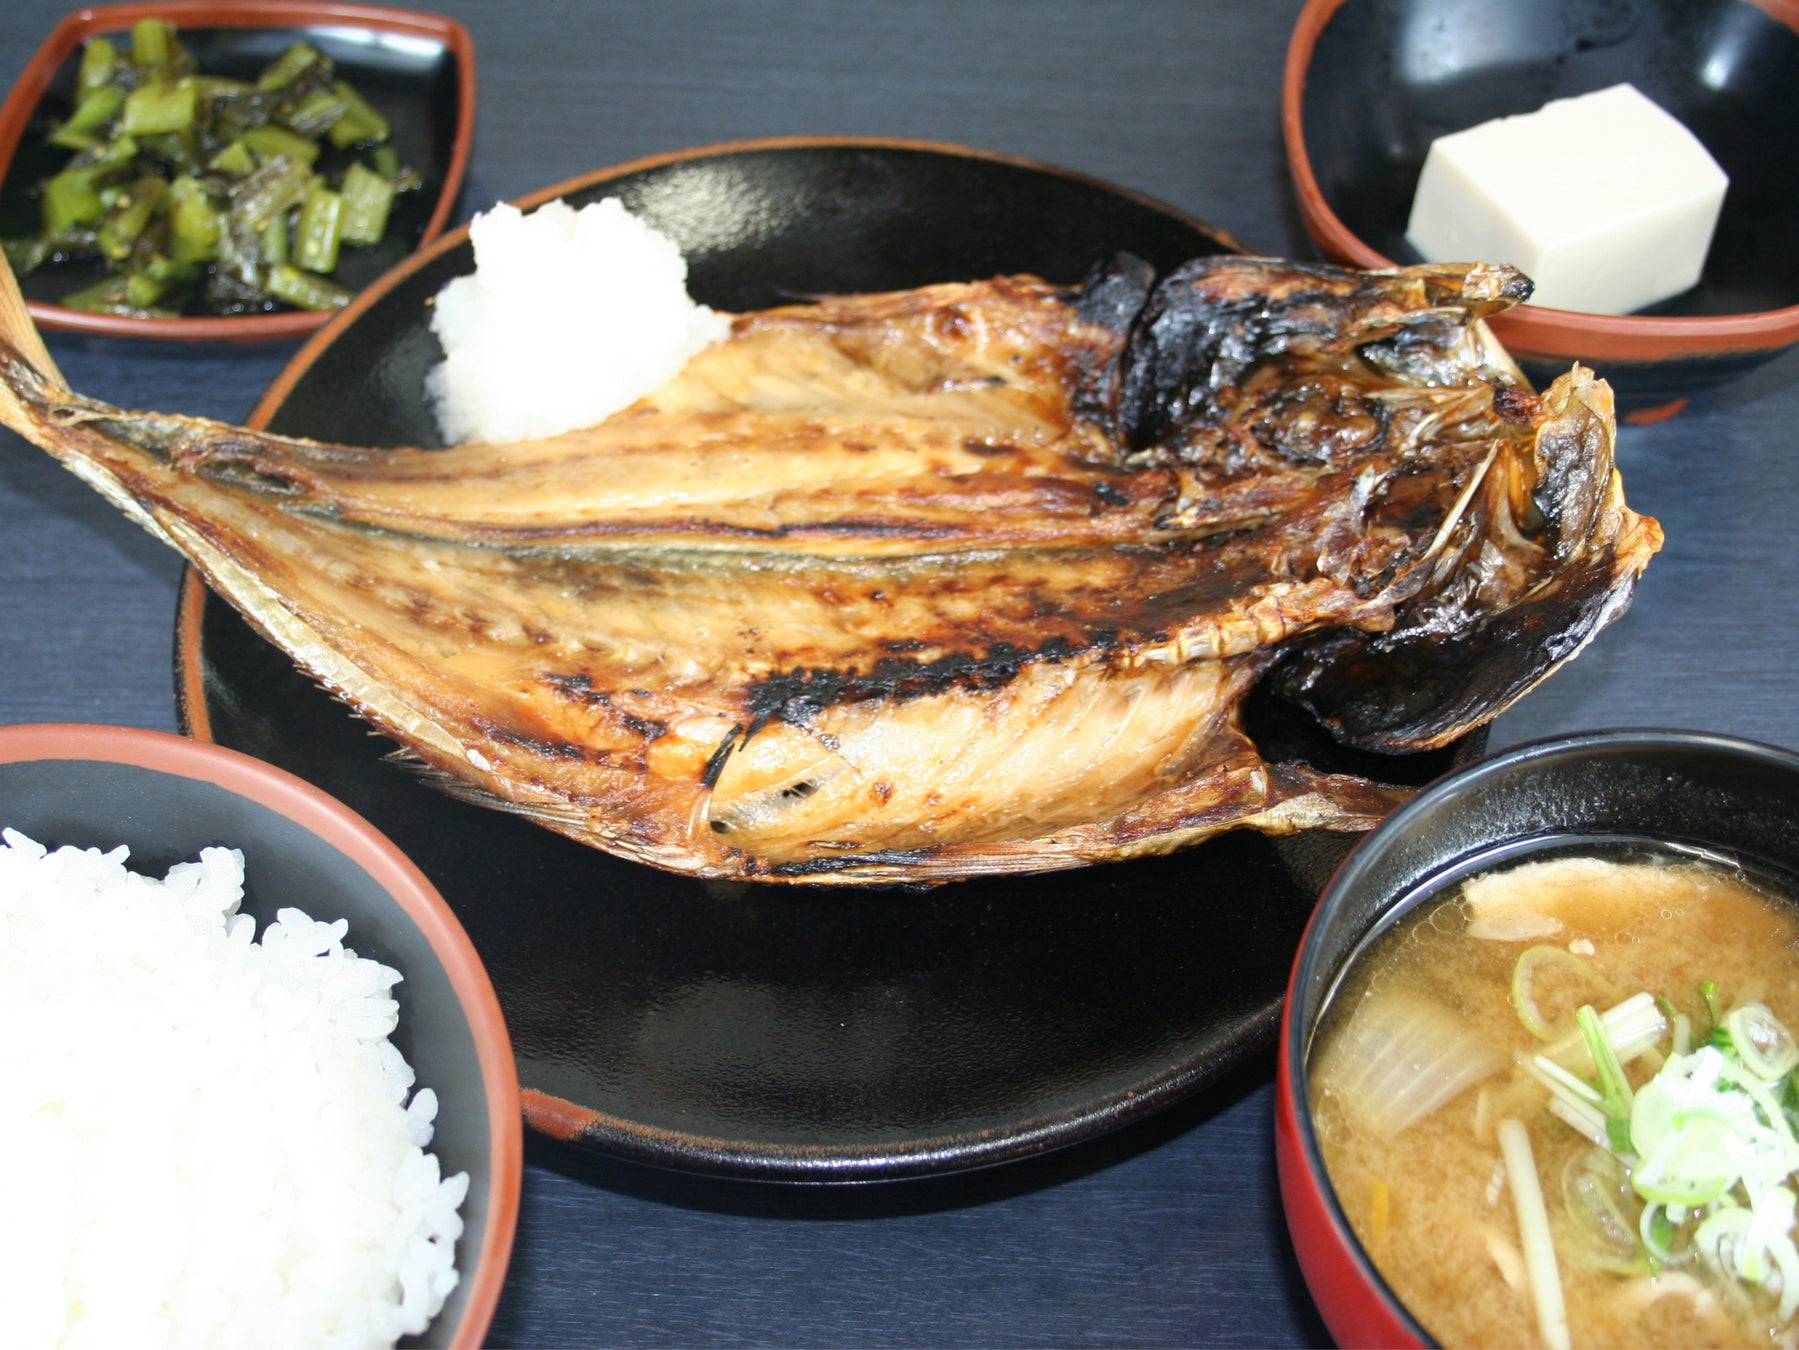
x: 202, y: 194
x: 368, y: 197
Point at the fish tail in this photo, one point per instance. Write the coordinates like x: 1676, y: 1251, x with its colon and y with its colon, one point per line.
x: 25, y: 362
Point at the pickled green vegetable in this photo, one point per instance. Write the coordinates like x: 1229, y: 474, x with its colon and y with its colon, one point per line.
x: 204, y: 194
x: 71, y: 198
x: 288, y: 67
x: 319, y: 229
x: 155, y: 50
x: 368, y: 197
x: 96, y: 109
x: 316, y: 113
x: 360, y: 124
x: 234, y: 161
x: 98, y: 60
x: 129, y: 216
x: 160, y: 107
x: 306, y: 290
x: 267, y: 142
x: 194, y: 222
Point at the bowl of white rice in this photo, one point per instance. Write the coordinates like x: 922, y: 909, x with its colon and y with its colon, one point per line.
x: 255, y: 1086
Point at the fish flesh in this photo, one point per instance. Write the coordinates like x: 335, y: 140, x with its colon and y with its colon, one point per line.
x: 962, y: 580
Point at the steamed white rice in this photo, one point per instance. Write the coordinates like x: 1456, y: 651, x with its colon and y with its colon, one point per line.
x: 205, y: 1139
x: 568, y: 317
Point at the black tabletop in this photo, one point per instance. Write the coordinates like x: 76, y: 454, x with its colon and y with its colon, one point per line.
x: 1169, y: 1231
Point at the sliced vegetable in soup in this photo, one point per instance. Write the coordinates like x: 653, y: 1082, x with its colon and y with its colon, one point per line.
x: 1558, y: 1105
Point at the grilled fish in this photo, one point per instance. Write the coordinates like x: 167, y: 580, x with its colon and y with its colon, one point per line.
x: 909, y: 587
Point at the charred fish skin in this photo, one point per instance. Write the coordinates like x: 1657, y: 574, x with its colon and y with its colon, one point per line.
x: 1214, y: 320
x: 1488, y: 639
x: 911, y: 587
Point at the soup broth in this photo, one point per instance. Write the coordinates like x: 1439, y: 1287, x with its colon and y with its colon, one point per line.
x: 1430, y: 1044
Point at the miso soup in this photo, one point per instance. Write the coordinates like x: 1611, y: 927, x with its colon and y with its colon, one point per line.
x: 1557, y: 1103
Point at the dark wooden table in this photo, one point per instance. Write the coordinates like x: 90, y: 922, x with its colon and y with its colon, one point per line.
x: 1169, y: 1231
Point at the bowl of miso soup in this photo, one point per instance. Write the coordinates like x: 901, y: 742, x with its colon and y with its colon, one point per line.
x: 1538, y: 1082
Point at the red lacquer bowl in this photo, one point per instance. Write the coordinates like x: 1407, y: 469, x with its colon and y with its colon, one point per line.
x: 417, y: 69
x: 165, y: 797
x: 1727, y: 797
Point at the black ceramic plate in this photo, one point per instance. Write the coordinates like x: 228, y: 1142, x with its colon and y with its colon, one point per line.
x: 791, y: 1032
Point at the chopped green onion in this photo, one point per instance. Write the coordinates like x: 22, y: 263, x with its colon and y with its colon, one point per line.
x: 1605, y: 1211
x: 1709, y: 1139
x: 1536, y: 968
x: 1683, y: 1034
x: 1635, y: 1027
x: 1708, y: 993
x: 1761, y: 1041
x: 1533, y: 1231
x: 1614, y: 1088
x: 1573, y: 1099
x: 1689, y: 1165
x: 1658, y: 1232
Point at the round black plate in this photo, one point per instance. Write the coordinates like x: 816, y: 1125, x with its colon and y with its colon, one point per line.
x: 790, y: 1032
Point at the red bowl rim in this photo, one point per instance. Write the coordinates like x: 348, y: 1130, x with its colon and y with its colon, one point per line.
x: 78, y: 25
x: 1380, y: 1315
x: 1528, y: 330
x: 334, y: 822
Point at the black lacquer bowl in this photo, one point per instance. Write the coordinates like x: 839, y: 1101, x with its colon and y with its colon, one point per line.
x: 791, y: 1032
x: 1371, y: 83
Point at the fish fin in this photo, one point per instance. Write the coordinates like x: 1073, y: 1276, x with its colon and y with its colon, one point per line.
x: 550, y: 815
x: 19, y: 332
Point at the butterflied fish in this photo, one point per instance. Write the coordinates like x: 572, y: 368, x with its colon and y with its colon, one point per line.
x: 908, y: 587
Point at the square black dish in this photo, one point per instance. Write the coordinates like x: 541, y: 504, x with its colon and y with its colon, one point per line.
x: 416, y: 69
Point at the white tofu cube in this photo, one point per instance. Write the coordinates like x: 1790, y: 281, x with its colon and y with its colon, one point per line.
x: 1605, y: 201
